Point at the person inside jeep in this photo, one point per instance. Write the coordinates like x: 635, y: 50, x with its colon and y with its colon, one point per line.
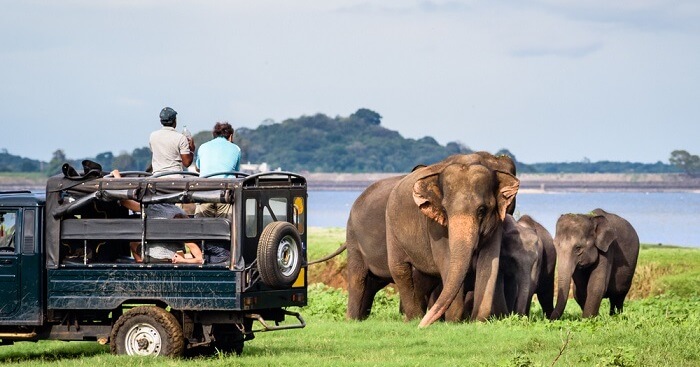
x: 172, y: 252
x: 156, y: 211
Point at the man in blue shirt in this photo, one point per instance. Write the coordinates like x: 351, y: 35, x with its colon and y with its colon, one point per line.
x: 215, y: 156
x: 219, y: 154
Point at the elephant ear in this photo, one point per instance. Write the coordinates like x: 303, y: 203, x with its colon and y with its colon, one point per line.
x: 428, y: 196
x: 508, y: 186
x: 604, y: 233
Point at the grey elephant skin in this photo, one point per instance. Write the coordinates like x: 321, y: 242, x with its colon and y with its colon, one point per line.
x: 598, y: 252
x: 526, y: 267
x: 438, y: 219
x: 520, y: 265
x: 545, y: 282
x: 368, y: 270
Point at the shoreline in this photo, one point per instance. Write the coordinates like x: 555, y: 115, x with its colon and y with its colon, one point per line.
x: 529, y: 182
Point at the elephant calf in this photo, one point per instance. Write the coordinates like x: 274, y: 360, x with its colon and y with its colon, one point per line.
x: 527, y: 265
x: 521, y: 255
x: 598, y: 251
x: 545, y: 282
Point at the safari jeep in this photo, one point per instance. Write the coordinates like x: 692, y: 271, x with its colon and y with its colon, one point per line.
x: 67, y: 270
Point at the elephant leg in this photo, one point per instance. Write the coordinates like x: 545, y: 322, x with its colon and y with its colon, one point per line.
x: 616, y: 302
x: 373, y: 285
x: 456, y: 310
x: 523, y: 293
x: 468, y: 295
x: 510, y: 292
x: 361, y: 297
x: 545, y: 295
x: 427, y: 286
x: 357, y: 297
x: 595, y: 290
x: 532, y: 287
x: 402, y: 273
x: 500, y: 306
x: 362, y: 287
x: 580, y: 286
x: 468, y: 304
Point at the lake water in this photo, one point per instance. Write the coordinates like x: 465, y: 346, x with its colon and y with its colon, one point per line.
x: 669, y: 218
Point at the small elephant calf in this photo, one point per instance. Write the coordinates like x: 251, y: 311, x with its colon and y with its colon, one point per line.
x: 598, y: 251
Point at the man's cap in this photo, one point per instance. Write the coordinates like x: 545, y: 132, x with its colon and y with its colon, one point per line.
x: 167, y: 114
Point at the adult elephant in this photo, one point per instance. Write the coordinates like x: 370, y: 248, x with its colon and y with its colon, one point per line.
x: 367, y: 270
x: 545, y: 283
x: 440, y: 217
x: 598, y: 251
x: 365, y: 240
x: 520, y: 265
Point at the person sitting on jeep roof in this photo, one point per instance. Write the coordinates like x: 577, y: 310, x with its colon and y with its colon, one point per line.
x: 172, y: 151
x: 218, y: 155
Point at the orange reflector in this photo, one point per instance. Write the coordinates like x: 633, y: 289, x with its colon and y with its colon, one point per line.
x: 301, y: 279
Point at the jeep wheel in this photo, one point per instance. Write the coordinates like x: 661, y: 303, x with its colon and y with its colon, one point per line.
x: 147, y: 331
x: 279, y: 254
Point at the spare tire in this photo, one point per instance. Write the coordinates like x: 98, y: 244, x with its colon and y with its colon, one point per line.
x: 279, y: 254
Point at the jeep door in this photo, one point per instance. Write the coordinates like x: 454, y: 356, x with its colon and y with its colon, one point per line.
x: 9, y: 262
x: 21, y: 269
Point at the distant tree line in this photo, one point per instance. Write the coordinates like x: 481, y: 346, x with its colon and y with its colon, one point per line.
x: 357, y: 143
x: 689, y: 163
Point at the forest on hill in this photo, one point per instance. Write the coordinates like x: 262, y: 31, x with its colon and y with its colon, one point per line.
x: 353, y: 144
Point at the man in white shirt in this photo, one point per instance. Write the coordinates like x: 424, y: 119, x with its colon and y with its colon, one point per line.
x: 172, y: 151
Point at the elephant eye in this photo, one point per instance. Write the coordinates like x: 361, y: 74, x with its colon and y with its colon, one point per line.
x: 481, y: 211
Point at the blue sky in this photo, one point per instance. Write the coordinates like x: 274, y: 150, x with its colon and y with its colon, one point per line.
x: 552, y: 81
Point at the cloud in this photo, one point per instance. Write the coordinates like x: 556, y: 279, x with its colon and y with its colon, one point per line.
x: 645, y: 15
x: 573, y: 52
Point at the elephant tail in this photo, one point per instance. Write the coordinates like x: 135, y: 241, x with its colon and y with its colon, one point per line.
x: 334, y: 254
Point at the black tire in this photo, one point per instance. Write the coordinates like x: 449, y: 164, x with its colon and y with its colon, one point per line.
x: 228, y: 338
x: 147, y: 331
x: 279, y: 254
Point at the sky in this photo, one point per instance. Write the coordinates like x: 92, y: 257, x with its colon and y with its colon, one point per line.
x: 551, y: 81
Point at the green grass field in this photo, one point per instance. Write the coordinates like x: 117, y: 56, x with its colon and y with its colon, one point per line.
x: 36, y: 176
x: 659, y: 327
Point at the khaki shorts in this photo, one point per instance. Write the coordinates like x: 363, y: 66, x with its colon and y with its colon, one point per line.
x: 213, y: 210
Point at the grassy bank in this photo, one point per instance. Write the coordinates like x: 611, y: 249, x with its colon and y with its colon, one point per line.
x: 660, y: 327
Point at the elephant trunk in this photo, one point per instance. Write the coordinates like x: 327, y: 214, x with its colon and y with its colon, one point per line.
x: 564, y: 274
x: 463, y: 240
x: 523, y: 299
